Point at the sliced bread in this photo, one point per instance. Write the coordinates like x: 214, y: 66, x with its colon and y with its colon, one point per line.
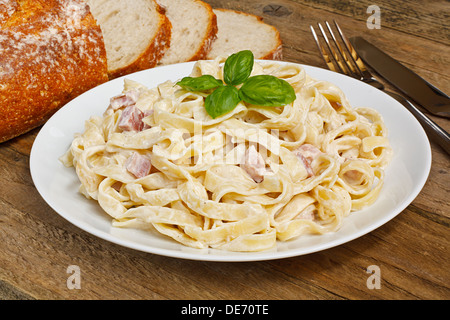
x: 194, y: 28
x: 136, y: 35
x: 242, y: 31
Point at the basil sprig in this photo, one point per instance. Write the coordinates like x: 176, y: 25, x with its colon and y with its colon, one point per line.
x: 222, y: 100
x: 260, y: 90
x: 203, y: 83
x: 267, y: 91
x: 238, y: 67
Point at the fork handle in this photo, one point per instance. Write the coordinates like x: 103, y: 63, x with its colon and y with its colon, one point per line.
x: 434, y: 131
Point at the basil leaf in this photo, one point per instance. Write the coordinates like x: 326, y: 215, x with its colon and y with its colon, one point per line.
x: 221, y: 101
x: 267, y: 91
x: 237, y: 67
x: 202, y: 83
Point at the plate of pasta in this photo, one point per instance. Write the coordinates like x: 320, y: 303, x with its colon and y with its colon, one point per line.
x: 231, y: 160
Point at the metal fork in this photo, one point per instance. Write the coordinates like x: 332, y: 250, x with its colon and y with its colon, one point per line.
x: 340, y: 56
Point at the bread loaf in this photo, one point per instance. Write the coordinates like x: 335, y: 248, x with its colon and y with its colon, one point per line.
x: 50, y: 52
x: 136, y: 33
x: 242, y: 31
x: 194, y: 28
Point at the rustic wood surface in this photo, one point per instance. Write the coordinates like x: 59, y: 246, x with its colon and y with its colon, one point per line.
x: 412, y: 250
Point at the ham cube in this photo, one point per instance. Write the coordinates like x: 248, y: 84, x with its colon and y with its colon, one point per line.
x: 138, y: 165
x: 306, y: 153
x: 353, y: 177
x: 253, y: 163
x: 309, y: 151
x: 127, y: 99
x: 131, y: 119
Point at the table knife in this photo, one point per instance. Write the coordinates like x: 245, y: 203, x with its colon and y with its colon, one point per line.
x: 408, y: 82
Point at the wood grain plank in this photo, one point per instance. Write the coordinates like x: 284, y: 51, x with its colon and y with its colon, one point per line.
x: 430, y: 21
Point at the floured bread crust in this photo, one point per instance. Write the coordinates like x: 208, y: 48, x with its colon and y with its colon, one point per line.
x: 50, y: 52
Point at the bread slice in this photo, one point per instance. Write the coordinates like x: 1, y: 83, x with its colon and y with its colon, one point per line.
x: 194, y: 28
x: 242, y: 31
x: 136, y: 34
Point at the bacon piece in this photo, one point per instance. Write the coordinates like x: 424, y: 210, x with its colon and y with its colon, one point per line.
x: 127, y: 99
x: 117, y: 185
x: 306, y: 153
x: 353, y: 176
x: 253, y: 163
x: 309, y: 151
x: 306, y: 164
x: 131, y: 119
x: 138, y: 165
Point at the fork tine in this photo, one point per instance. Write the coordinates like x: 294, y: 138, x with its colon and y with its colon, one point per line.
x: 332, y: 51
x: 352, y: 52
x: 324, y: 53
x: 342, y: 52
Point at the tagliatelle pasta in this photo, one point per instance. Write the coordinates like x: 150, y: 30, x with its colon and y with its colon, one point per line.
x: 156, y: 160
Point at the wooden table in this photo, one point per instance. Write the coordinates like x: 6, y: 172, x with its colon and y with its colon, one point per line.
x: 412, y: 251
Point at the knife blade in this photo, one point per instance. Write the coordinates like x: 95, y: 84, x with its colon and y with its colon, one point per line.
x: 408, y: 82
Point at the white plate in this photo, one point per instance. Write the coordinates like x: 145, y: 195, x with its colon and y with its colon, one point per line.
x: 58, y: 185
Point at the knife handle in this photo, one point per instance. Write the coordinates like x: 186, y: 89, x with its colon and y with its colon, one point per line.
x: 434, y: 131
